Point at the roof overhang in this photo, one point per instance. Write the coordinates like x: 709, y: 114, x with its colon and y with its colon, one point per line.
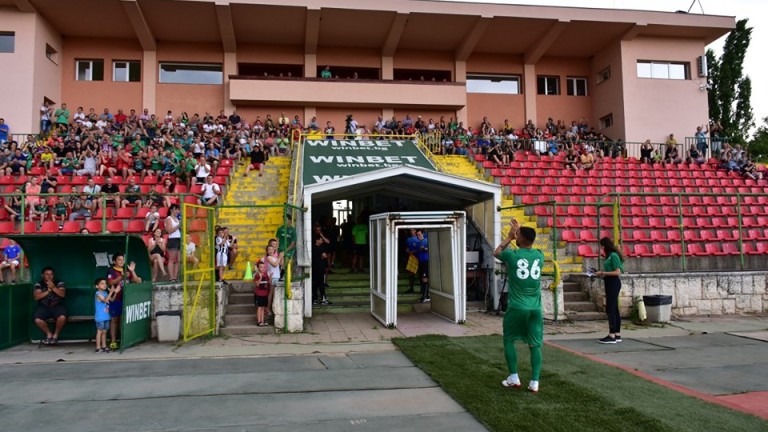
x: 383, y: 27
x: 443, y: 191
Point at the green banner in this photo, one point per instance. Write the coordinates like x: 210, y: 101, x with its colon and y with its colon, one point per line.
x: 137, y: 314
x: 328, y: 160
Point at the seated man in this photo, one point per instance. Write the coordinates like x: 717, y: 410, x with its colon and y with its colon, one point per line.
x: 694, y: 156
x: 49, y: 294
x: 11, y: 256
x: 210, y: 192
x: 671, y: 156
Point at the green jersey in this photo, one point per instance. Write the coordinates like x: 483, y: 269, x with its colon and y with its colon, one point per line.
x: 524, y: 273
x: 613, y: 262
x: 360, y: 234
x: 286, y: 235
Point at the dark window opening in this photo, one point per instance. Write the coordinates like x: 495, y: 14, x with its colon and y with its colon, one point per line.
x: 422, y: 75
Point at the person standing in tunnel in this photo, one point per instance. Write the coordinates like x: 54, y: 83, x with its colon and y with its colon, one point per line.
x: 422, y: 254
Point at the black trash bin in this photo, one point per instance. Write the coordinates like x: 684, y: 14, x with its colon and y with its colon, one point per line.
x: 658, y: 307
x: 168, y: 326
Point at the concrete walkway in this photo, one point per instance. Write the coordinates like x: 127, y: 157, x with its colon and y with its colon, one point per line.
x: 721, y: 359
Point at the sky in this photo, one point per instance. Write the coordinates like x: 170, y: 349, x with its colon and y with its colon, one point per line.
x: 755, y: 10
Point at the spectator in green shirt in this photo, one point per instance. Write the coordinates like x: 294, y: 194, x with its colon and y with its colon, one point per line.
x: 612, y: 268
x: 360, y: 248
x: 62, y: 118
x: 286, y: 237
x: 326, y: 73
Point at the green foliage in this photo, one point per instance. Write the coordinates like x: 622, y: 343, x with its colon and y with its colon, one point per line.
x: 730, y: 91
x: 758, y: 147
x: 576, y: 394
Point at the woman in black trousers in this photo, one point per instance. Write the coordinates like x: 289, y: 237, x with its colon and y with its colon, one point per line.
x: 612, y: 268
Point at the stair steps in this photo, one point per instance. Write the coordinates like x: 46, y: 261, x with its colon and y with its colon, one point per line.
x: 577, y: 305
x: 240, y: 315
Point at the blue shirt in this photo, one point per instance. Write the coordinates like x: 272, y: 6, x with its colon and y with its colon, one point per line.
x: 422, y: 254
x: 4, y: 129
x: 412, y: 244
x: 12, y: 252
x: 101, y: 308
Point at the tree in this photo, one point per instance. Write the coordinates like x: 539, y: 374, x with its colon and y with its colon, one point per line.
x: 729, y: 90
x: 758, y: 147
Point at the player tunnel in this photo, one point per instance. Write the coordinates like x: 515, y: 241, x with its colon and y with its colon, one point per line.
x: 403, y: 197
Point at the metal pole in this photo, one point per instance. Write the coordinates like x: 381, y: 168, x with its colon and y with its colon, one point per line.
x: 682, y: 230
x: 741, y: 234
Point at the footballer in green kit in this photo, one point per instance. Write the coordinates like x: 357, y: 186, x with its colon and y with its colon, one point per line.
x: 524, y: 319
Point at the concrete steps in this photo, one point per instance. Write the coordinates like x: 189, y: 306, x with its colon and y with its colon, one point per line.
x: 240, y: 315
x: 577, y: 305
x: 254, y: 226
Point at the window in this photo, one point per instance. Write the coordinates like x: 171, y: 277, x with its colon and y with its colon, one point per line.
x: 662, y: 70
x: 189, y: 73
x: 126, y: 71
x: 89, y: 70
x: 498, y: 84
x: 604, y: 75
x: 7, y: 42
x: 606, y: 121
x: 51, y: 54
x: 548, y: 85
x: 576, y: 86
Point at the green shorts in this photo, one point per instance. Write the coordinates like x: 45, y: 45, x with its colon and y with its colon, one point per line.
x: 524, y: 325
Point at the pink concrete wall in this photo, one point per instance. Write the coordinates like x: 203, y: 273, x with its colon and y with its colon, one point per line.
x: 260, y: 53
x: 492, y: 63
x: 249, y: 112
x: 47, y: 72
x: 364, y: 116
x: 654, y: 108
x: 106, y: 93
x: 369, y: 58
x: 608, y: 96
x: 191, y: 98
x: 563, y: 107
x: 428, y: 60
x: 17, y: 104
x: 497, y: 107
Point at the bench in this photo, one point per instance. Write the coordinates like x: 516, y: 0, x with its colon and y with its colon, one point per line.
x: 70, y: 319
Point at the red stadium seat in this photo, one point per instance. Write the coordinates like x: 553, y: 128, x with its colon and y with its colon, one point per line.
x: 730, y: 249
x: 713, y: 249
x: 48, y: 227
x: 224, y: 171
x: 93, y: 226
x: 695, y: 249
x: 641, y: 250
x: 29, y: 228
x: 706, y: 235
x: 135, y: 226
x: 71, y: 227
x: 99, y: 213
x: 676, y: 249
x: 587, y: 236
x: 586, y: 251
x: 640, y: 235
x: 658, y: 236
x: 660, y: 250
x: 569, y: 236
x: 124, y: 213
x: 727, y: 235
x: 115, y: 226
x: 6, y: 227
x: 750, y: 250
x: 226, y: 162
x: 691, y: 236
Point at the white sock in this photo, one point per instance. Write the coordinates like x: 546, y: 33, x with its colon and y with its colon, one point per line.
x: 514, y: 379
x: 534, y: 384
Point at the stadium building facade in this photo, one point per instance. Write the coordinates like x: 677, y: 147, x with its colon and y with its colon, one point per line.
x: 633, y: 75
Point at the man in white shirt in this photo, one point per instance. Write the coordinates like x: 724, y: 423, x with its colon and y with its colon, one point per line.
x: 211, y: 192
x: 202, y: 171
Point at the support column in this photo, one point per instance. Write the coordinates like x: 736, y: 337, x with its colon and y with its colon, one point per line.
x: 387, y: 68
x: 529, y: 92
x: 460, y: 71
x: 309, y: 112
x: 230, y: 68
x: 310, y: 65
x: 149, y: 71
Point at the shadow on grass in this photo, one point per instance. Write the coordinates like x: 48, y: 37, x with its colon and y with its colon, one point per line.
x: 576, y: 394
